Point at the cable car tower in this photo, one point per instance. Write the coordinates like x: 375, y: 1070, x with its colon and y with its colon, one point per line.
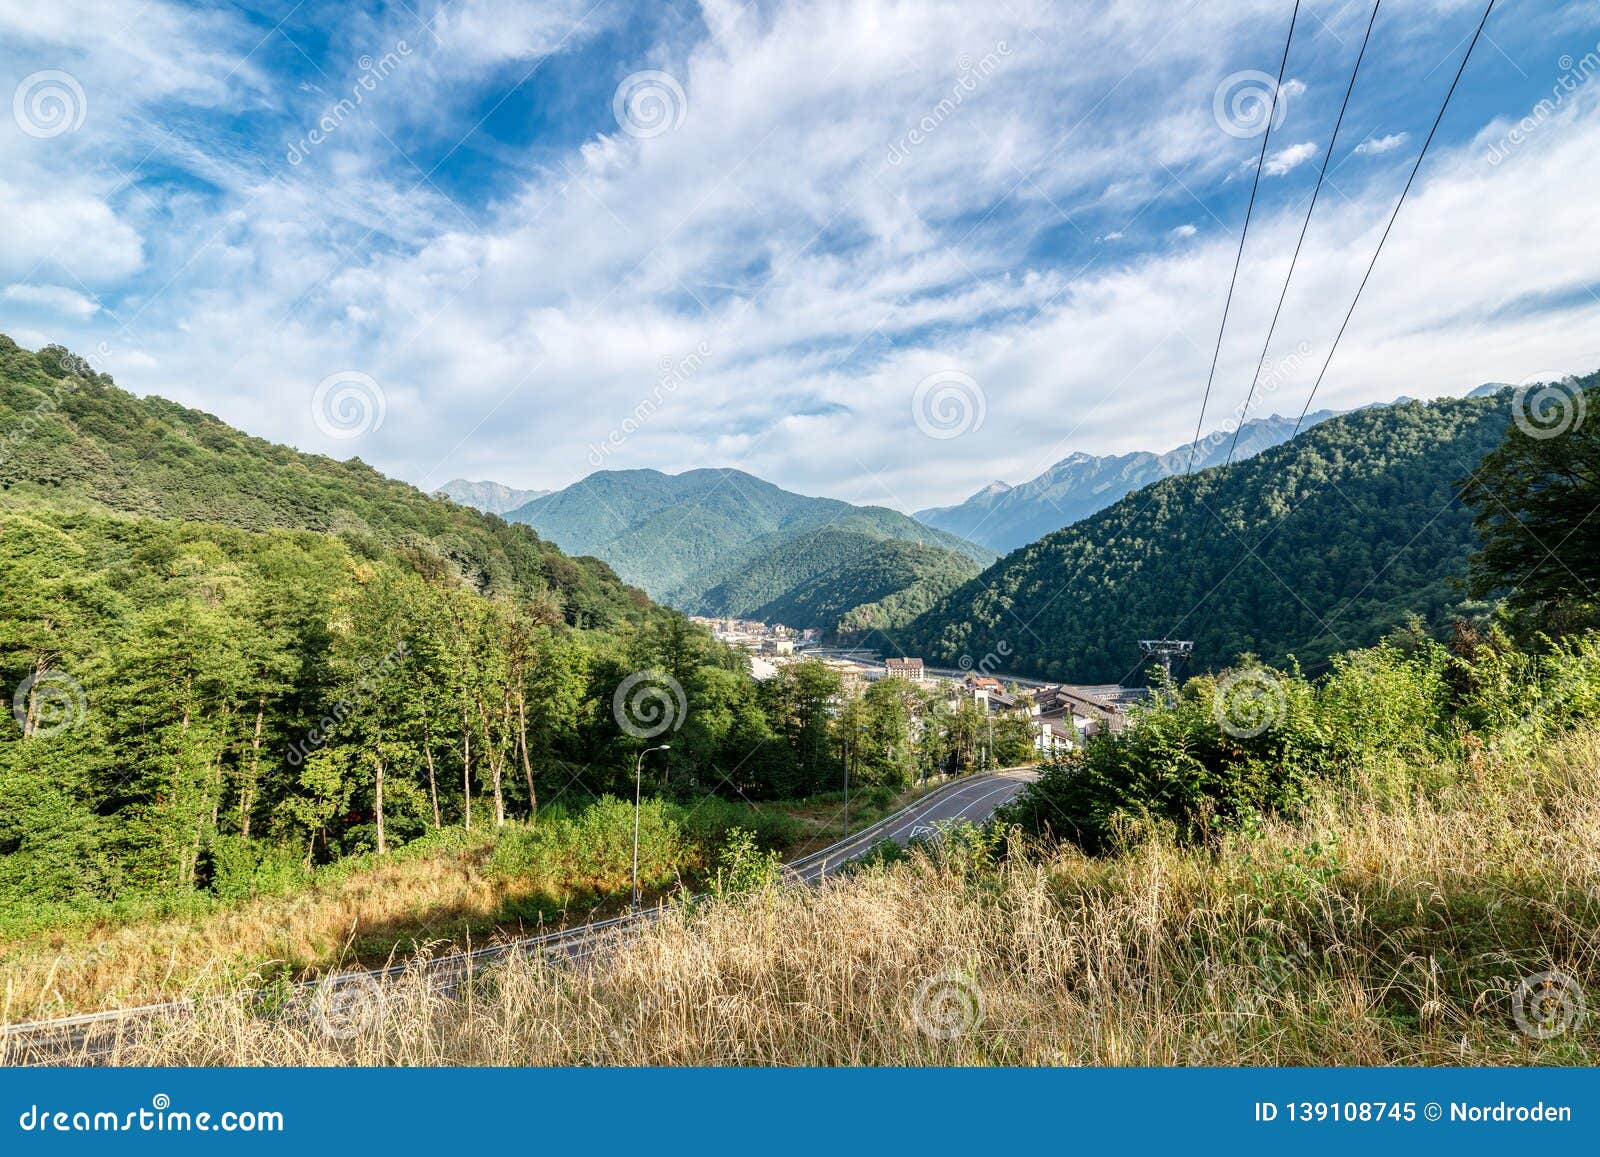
x: 1164, y: 651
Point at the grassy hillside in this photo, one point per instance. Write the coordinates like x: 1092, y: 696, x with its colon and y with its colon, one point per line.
x: 1370, y: 931
x: 1397, y: 864
x: 722, y: 542
x: 1313, y: 546
x: 76, y: 443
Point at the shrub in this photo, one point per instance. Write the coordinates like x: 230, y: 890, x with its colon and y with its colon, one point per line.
x: 711, y: 819
x: 1254, y: 741
x: 240, y: 868
x: 744, y: 867
x: 591, y: 853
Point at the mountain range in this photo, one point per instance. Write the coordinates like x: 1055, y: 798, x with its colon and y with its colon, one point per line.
x: 723, y: 542
x: 1003, y: 517
x: 1310, y: 547
x: 489, y: 497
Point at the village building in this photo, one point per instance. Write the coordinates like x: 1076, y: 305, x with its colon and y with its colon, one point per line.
x: 904, y: 669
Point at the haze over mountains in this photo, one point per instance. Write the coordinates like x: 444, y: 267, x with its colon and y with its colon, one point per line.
x: 1003, y: 517
x: 723, y: 542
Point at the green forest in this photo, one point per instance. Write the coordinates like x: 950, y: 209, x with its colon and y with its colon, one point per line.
x: 723, y: 542
x: 1314, y: 547
x: 231, y: 663
x: 842, y: 582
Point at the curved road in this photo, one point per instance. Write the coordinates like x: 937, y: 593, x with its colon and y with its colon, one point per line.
x: 974, y: 799
x: 95, y: 1035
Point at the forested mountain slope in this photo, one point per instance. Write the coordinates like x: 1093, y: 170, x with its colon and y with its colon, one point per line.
x: 229, y: 663
x: 721, y: 542
x: 75, y: 442
x: 1313, y: 546
x: 840, y: 581
x: 225, y: 660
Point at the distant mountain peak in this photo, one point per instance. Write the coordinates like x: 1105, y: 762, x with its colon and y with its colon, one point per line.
x: 1003, y: 517
x: 489, y: 497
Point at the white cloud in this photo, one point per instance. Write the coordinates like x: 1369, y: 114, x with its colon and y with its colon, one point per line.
x: 73, y: 223
x: 1287, y: 159
x: 1375, y: 146
x: 825, y: 281
x: 54, y: 297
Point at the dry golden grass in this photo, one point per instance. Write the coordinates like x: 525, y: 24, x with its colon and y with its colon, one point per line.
x: 363, y: 915
x: 1368, y: 933
x: 441, y: 899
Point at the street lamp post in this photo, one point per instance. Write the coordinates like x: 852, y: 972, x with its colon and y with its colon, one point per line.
x: 638, y: 780
x: 847, y: 786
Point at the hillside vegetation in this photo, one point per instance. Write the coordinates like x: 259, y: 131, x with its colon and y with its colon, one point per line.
x: 1379, y: 927
x: 1314, y: 546
x: 721, y: 542
x: 835, y: 580
x: 232, y: 666
x: 1398, y: 864
x: 75, y: 443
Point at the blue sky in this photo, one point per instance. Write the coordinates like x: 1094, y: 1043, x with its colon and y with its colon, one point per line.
x: 852, y: 230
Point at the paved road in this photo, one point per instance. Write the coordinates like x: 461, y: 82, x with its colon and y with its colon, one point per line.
x: 975, y: 799
x: 94, y: 1035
